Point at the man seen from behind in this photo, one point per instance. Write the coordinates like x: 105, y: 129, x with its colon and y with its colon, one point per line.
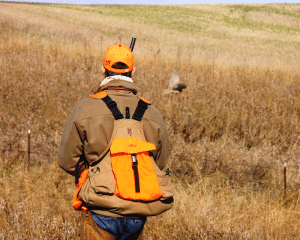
x: 114, y: 194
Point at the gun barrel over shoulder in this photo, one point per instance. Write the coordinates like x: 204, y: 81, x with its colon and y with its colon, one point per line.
x: 132, y: 43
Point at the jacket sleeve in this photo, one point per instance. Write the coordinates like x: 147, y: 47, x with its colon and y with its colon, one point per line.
x: 163, y: 146
x: 164, y: 150
x: 71, y: 146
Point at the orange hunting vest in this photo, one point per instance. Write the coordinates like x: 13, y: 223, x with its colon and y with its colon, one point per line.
x: 130, y: 155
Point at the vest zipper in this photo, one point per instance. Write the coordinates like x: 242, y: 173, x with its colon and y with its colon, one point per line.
x: 136, y: 173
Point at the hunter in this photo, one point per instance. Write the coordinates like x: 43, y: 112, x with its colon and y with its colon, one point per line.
x: 86, y: 151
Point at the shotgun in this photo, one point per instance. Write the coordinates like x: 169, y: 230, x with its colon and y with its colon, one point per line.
x: 132, y: 43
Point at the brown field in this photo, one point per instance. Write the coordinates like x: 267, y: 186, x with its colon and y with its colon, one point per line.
x: 231, y: 131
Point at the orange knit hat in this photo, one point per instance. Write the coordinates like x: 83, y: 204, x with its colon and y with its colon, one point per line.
x: 118, y: 53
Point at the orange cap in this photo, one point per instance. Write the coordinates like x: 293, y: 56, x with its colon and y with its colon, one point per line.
x: 118, y: 53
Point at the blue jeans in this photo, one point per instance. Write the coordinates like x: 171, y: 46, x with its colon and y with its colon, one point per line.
x: 120, y: 228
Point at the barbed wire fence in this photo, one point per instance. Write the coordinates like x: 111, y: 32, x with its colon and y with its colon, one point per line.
x: 25, y: 150
x: 14, y: 147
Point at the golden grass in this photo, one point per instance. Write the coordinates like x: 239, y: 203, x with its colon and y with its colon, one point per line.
x: 230, y: 131
x: 205, y: 35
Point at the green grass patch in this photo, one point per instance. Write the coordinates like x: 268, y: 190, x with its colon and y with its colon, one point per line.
x: 264, y: 8
x: 167, y: 17
x: 261, y: 26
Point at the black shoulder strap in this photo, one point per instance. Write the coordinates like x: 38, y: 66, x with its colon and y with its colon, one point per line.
x: 140, y: 110
x: 112, y: 105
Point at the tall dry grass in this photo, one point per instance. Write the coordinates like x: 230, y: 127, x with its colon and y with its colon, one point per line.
x: 230, y: 132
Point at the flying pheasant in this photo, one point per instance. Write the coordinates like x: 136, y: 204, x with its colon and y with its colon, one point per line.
x: 174, y: 85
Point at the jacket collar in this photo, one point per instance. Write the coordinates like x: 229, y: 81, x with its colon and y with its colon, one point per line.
x: 117, y: 77
x: 118, y: 81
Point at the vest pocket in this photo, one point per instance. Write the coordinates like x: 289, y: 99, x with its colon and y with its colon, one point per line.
x: 165, y: 185
x: 164, y: 181
x: 102, y: 183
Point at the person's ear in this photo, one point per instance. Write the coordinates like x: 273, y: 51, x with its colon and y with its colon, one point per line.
x: 103, y: 70
x: 133, y: 71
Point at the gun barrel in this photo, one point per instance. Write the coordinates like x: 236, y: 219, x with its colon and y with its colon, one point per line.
x: 132, y: 43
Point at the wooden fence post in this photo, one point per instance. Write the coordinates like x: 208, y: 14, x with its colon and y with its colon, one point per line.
x: 284, y: 180
x: 28, y: 151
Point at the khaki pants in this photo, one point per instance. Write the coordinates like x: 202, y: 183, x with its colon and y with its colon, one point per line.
x: 89, y: 230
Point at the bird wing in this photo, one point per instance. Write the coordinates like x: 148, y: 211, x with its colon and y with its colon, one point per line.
x: 174, y: 80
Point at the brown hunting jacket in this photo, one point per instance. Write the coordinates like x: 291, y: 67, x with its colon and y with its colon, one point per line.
x: 88, y: 130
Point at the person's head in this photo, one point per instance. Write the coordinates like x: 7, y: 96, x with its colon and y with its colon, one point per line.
x: 118, y: 60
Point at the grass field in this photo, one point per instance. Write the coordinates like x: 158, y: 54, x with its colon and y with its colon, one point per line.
x: 231, y: 131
